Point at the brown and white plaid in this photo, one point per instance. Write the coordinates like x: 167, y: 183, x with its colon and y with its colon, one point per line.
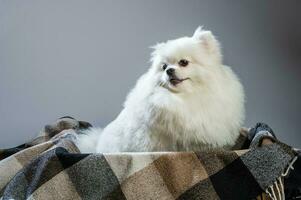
x: 53, y: 168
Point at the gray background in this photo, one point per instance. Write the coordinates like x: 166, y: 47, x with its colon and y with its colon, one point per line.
x: 80, y: 58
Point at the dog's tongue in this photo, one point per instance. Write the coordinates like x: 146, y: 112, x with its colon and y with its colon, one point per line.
x: 175, y: 81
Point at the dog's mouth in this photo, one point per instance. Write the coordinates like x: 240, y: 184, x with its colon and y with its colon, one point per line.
x: 175, y: 80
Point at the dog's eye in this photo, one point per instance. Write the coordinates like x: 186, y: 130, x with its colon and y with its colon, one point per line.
x: 183, y: 62
x: 164, y: 66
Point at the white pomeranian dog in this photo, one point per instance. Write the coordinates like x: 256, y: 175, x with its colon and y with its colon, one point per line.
x: 187, y: 101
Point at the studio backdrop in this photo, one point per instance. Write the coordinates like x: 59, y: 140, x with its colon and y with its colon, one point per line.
x: 80, y: 58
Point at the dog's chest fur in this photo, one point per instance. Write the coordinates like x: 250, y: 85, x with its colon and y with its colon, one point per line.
x: 171, y: 131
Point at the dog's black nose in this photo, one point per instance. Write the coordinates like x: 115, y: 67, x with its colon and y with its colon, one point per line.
x: 170, y: 71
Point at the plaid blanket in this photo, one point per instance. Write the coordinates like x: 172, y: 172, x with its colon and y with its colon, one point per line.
x: 51, y: 167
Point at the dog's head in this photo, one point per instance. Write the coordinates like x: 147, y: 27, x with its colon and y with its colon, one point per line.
x: 186, y: 63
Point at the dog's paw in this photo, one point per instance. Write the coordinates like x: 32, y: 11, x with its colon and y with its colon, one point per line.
x: 64, y: 123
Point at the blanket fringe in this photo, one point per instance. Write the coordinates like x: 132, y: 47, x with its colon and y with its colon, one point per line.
x: 278, y: 184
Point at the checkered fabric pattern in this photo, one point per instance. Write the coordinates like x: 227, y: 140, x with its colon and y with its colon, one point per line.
x: 53, y: 168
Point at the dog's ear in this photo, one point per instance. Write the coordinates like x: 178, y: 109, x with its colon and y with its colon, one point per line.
x: 198, y: 32
x: 157, y: 46
x: 156, y: 49
x: 207, y: 40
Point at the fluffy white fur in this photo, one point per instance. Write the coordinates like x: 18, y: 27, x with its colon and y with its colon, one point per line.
x: 204, y: 111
